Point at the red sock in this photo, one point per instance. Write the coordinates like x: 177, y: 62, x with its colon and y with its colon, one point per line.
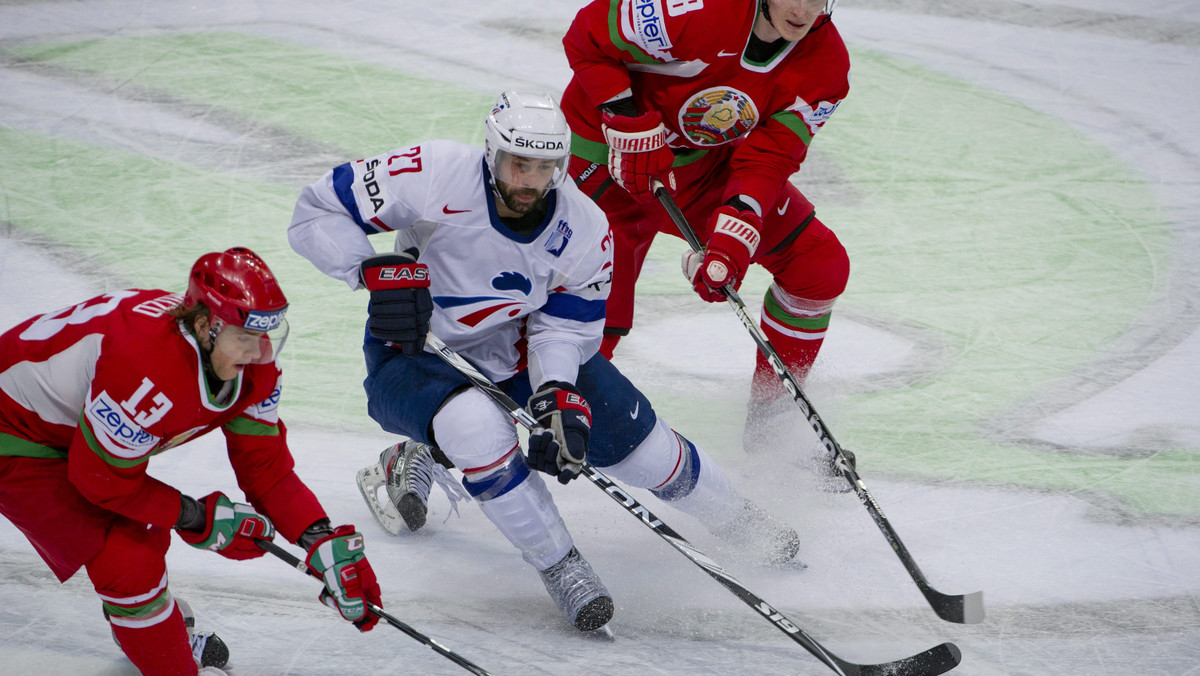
x: 796, y: 337
x: 161, y: 649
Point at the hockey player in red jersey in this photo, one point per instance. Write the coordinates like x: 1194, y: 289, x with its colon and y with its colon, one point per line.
x: 718, y: 99
x: 90, y: 392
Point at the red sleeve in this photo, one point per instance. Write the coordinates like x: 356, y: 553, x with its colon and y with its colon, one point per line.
x: 264, y: 469
x: 598, y: 64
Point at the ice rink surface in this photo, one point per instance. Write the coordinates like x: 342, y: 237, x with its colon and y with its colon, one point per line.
x: 1014, y: 362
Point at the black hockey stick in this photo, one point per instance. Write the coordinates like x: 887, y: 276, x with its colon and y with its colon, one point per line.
x: 438, y: 648
x: 936, y: 660
x: 961, y: 608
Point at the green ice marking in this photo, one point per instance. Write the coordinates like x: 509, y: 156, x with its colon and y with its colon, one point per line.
x: 150, y: 218
x: 1022, y: 246
x: 330, y: 98
x: 1018, y: 243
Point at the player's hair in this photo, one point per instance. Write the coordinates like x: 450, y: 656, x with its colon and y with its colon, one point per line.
x: 188, y: 314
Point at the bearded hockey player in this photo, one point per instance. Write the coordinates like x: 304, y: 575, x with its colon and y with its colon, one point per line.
x: 90, y: 392
x: 719, y: 100
x: 509, y: 264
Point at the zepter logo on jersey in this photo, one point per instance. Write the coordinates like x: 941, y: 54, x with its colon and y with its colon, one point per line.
x: 121, y: 436
x: 716, y: 116
x: 267, y: 410
x: 646, y: 27
x: 814, y: 115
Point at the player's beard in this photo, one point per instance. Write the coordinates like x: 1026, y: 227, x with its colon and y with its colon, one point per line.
x: 512, y: 194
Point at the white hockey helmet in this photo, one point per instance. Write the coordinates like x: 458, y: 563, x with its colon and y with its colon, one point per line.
x: 527, y: 125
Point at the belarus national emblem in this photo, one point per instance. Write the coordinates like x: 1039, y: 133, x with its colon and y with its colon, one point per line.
x: 718, y: 115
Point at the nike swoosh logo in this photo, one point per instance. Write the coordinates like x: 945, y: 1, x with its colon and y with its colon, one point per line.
x: 636, y: 405
x: 785, y: 206
x: 725, y: 53
x: 447, y: 210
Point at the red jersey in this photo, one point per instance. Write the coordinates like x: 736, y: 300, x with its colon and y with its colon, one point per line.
x: 114, y: 380
x: 687, y: 59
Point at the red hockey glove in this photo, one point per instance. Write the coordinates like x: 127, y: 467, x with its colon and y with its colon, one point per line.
x: 231, y: 529
x: 638, y: 153
x: 561, y: 448
x: 724, y: 261
x: 340, y: 561
x: 400, y: 302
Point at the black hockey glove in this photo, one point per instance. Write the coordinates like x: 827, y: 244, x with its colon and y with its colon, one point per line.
x: 400, y: 302
x: 561, y: 448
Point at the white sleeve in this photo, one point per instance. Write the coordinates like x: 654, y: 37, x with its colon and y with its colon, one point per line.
x: 567, y: 331
x: 324, y: 232
x: 334, y: 216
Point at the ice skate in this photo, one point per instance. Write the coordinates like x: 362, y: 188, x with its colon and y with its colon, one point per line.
x: 829, y: 475
x: 407, y: 471
x: 777, y: 426
x: 760, y: 535
x: 207, y: 648
x: 210, y: 651
x: 578, y: 591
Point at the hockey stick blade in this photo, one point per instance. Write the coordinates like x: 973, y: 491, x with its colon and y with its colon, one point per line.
x: 963, y: 609
x: 293, y: 561
x: 370, y: 480
x: 936, y: 660
x: 960, y: 608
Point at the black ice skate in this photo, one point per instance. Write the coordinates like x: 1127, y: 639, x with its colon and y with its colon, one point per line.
x: 776, y: 426
x: 578, y: 591
x: 760, y: 535
x: 407, y: 470
x: 210, y: 652
x: 208, y: 648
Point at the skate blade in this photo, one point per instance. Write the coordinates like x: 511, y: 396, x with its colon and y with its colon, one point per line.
x: 370, y: 480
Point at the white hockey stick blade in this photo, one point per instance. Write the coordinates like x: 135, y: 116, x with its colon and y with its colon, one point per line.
x: 370, y: 480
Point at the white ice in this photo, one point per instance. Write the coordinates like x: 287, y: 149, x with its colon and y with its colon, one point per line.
x: 1072, y: 585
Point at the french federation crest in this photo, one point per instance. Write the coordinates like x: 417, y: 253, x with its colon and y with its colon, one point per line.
x: 558, y: 239
x: 717, y: 115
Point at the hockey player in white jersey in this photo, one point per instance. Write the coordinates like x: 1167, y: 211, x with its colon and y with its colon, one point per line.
x: 499, y: 255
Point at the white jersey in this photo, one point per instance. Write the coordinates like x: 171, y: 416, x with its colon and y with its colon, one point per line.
x: 491, y: 286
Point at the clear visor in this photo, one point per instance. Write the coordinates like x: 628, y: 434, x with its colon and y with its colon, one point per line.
x: 243, y: 346
x: 538, y: 173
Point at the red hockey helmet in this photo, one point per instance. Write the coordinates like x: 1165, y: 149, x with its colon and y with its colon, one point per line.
x: 240, y: 290
x: 237, y: 286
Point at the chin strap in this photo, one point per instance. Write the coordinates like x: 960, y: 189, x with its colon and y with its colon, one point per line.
x: 215, y: 384
x: 206, y: 352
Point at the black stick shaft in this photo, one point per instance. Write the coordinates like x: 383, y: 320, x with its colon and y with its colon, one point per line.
x: 965, y: 609
x: 936, y: 660
x: 299, y: 565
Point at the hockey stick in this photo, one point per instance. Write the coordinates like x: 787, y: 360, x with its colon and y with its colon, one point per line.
x: 936, y: 660
x: 961, y: 608
x: 442, y: 650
